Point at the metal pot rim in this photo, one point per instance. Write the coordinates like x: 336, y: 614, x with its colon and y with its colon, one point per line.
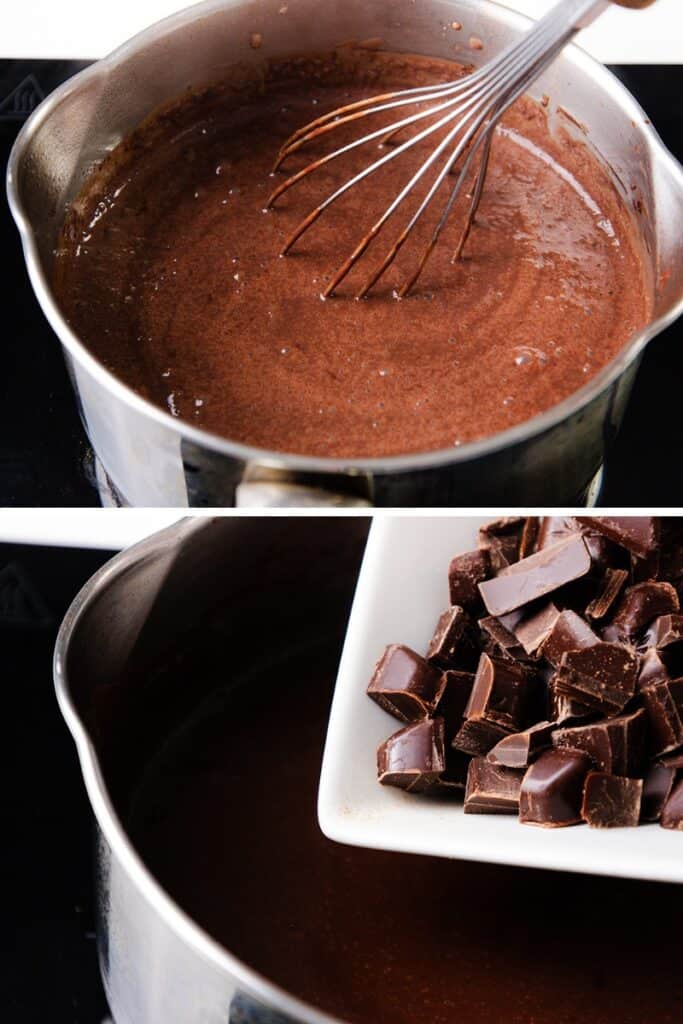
x: 610, y: 85
x: 109, y: 823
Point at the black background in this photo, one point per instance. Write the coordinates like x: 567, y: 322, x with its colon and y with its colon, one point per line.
x: 48, y: 963
x: 45, y: 458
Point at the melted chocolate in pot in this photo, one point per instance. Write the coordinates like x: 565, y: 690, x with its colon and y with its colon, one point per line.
x: 168, y: 269
x: 226, y: 820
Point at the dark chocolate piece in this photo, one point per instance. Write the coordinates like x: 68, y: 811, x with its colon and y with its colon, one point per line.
x: 535, y: 628
x: 465, y: 573
x: 671, y: 560
x: 552, y: 789
x: 413, y: 758
x: 452, y: 645
x: 645, y: 569
x: 611, y: 801
x: 638, y: 534
x: 565, y: 709
x: 615, y: 745
x: 610, y: 588
x: 491, y: 789
x: 652, y: 669
x: 555, y: 528
x: 500, y: 693
x: 664, y: 707
x: 552, y: 529
x: 536, y: 576
x: 569, y: 633
x: 520, y: 748
x: 657, y: 785
x: 666, y: 635
x: 602, y: 676
x: 527, y: 545
x: 500, y: 641
x: 674, y: 760
x: 406, y: 685
x: 637, y: 608
x: 665, y: 631
x: 502, y: 539
x: 477, y: 736
x: 454, y: 700
x: 672, y: 812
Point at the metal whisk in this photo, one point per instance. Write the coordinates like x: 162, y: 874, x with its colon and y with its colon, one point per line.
x: 470, y: 108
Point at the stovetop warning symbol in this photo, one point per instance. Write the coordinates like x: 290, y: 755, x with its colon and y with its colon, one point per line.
x: 22, y: 100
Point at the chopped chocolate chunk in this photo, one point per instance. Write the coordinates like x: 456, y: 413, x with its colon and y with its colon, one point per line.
x: 414, y: 757
x: 454, y: 700
x: 637, y: 608
x: 657, y: 784
x: 652, y: 669
x: 664, y: 707
x: 666, y: 635
x: 645, y: 569
x: 535, y: 628
x: 565, y: 709
x: 665, y: 631
x: 476, y: 736
x: 502, y: 539
x: 455, y: 776
x: 672, y: 813
x: 406, y: 685
x: 615, y: 745
x: 536, y: 576
x: 565, y: 698
x: 520, y: 748
x: 465, y: 573
x: 569, y: 633
x: 552, y: 789
x: 611, y: 801
x: 527, y: 545
x: 555, y: 528
x: 610, y: 588
x: 500, y: 693
x: 602, y: 676
x: 674, y: 760
x: 500, y: 640
x: 671, y: 556
x: 452, y: 645
x: 552, y: 529
x: 638, y: 534
x: 491, y: 789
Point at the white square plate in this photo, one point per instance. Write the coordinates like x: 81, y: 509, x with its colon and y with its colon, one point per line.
x: 402, y: 589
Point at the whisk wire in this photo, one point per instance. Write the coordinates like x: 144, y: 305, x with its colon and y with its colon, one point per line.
x: 481, y: 109
x: 473, y: 106
x: 500, y: 110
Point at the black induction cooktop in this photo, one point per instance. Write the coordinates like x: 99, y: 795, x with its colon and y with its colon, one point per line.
x: 45, y: 458
x: 48, y: 962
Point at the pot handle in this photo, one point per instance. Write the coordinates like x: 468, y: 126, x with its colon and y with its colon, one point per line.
x: 281, y: 494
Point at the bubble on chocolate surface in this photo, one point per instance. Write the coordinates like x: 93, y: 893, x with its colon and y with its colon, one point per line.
x: 525, y: 355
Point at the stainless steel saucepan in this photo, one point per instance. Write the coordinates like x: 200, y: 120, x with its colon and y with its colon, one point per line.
x: 227, y: 581
x: 154, y: 459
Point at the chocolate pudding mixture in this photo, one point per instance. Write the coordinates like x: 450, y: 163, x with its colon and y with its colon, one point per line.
x: 226, y: 821
x: 168, y: 269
